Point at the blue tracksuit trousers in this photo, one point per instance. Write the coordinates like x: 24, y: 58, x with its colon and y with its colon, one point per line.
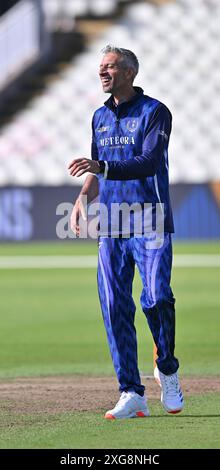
x: 117, y: 260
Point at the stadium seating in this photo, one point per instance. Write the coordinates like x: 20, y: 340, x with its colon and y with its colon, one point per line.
x: 178, y: 48
x: 75, y: 8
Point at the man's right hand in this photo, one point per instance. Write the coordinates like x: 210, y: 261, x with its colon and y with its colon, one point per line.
x: 79, y: 210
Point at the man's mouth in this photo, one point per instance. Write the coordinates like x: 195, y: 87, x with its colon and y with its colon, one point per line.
x: 105, y: 81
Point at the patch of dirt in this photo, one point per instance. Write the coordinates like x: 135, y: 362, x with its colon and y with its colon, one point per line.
x: 51, y: 395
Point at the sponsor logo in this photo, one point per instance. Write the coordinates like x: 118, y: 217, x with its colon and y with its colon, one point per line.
x: 103, y: 129
x: 163, y: 134
x: 117, y: 140
x: 132, y: 125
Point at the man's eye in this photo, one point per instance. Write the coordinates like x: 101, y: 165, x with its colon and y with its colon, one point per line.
x: 108, y: 66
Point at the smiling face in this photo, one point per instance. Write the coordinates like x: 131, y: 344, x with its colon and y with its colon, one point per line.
x: 114, y: 75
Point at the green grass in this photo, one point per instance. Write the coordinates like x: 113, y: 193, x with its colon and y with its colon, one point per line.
x: 197, y: 427
x: 81, y: 247
x: 75, y: 247
x: 51, y: 321
x: 51, y: 324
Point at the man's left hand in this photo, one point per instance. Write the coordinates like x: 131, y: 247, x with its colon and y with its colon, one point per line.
x: 79, y: 166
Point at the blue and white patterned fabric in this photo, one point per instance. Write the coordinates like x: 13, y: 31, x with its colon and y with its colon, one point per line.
x: 132, y: 138
x: 117, y: 259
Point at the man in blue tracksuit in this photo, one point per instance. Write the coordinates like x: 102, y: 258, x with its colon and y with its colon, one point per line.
x: 129, y: 169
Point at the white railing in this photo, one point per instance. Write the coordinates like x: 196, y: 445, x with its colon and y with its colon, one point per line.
x: 19, y: 40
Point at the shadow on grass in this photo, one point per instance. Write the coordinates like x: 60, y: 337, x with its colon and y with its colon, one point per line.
x: 186, y: 416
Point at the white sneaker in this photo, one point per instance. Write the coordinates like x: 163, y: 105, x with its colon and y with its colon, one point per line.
x: 130, y: 405
x: 171, y: 393
x: 157, y: 376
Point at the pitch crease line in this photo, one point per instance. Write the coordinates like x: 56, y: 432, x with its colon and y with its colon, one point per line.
x: 90, y: 261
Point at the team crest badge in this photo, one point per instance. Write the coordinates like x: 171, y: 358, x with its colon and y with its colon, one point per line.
x: 132, y: 125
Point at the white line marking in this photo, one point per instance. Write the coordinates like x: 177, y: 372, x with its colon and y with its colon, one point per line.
x: 198, y: 260
x: 90, y: 261
x: 47, y: 262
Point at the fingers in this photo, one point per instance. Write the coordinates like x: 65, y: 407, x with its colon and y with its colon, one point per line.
x: 83, y: 209
x: 74, y: 161
x: 78, y: 168
x: 74, y: 219
x: 78, y: 210
x: 75, y: 228
x: 74, y: 223
x: 80, y: 173
x: 77, y: 162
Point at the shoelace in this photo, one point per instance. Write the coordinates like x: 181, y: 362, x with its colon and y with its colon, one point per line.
x: 171, y: 385
x: 123, y: 396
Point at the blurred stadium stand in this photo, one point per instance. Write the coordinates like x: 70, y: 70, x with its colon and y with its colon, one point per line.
x: 5, y: 5
x: 48, y: 122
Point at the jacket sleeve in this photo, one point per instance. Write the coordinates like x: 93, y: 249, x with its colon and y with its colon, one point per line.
x: 156, y: 139
x: 94, y: 149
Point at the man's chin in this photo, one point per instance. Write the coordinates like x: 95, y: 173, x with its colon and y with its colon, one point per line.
x: 107, y: 89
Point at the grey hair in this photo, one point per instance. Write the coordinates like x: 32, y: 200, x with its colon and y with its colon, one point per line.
x: 128, y: 57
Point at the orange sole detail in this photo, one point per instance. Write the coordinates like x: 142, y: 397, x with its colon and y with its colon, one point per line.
x: 109, y: 416
x: 140, y: 414
x: 174, y: 412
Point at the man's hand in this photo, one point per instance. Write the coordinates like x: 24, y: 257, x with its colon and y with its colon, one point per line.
x: 78, y: 210
x: 79, y: 166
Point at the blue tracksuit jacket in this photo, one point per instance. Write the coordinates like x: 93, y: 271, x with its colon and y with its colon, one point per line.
x: 133, y: 139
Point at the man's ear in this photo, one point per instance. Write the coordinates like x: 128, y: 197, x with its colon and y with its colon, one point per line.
x: 129, y: 72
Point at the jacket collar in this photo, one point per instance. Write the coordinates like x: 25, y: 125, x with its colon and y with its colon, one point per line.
x: 111, y: 104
